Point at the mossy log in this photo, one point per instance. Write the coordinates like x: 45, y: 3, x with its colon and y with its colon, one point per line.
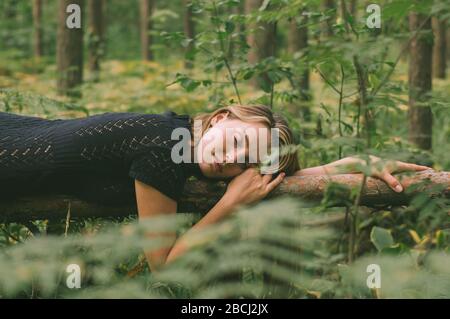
x: 201, y: 195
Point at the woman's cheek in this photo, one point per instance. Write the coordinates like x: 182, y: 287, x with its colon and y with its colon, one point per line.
x: 205, y: 150
x: 232, y: 171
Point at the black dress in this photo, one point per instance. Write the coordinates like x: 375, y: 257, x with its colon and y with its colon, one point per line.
x: 95, y: 158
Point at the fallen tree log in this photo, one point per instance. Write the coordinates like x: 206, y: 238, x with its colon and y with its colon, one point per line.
x: 201, y: 195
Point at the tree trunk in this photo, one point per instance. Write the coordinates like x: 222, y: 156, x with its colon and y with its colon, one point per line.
x: 352, y: 8
x: 189, y: 31
x: 297, y: 47
x: 420, y: 117
x: 37, y: 24
x: 448, y: 41
x: 69, y: 51
x: 96, y: 36
x: 201, y: 196
x: 10, y: 21
x: 369, y: 121
x: 261, y: 39
x: 298, y: 42
x: 146, y: 11
x: 329, y: 8
x: 439, y: 48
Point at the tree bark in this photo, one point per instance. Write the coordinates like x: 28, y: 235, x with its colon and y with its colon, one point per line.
x: 189, y: 31
x: 201, y: 196
x: 439, y: 48
x: 420, y: 116
x: 352, y: 8
x: 261, y: 39
x: 37, y: 24
x: 69, y: 51
x: 329, y: 7
x: 369, y: 122
x: 96, y: 36
x: 146, y: 25
x: 448, y: 41
x: 10, y: 19
x: 298, y: 41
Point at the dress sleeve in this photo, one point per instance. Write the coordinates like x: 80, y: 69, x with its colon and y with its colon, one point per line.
x: 156, y: 168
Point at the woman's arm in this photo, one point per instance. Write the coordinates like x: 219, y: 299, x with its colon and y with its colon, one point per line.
x: 223, y: 208
x: 152, y: 203
x: 248, y: 187
x: 347, y: 165
x: 381, y: 169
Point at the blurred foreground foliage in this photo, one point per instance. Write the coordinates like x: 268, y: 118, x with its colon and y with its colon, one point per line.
x: 279, y: 249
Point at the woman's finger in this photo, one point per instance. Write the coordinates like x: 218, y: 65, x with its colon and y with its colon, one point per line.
x: 266, y: 179
x: 392, y: 182
x: 271, y: 186
x: 405, y: 167
x: 251, y: 171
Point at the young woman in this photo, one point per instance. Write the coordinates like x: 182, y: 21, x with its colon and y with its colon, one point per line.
x: 114, y: 158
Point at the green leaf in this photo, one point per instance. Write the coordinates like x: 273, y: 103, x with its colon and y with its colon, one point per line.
x: 219, y: 65
x: 186, y: 82
x: 190, y: 85
x: 265, y: 85
x: 381, y: 238
x: 207, y: 83
x: 247, y: 74
x: 229, y: 27
x: 374, y: 80
x: 396, y: 9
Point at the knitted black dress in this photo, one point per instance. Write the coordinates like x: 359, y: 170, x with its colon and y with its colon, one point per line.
x: 95, y: 158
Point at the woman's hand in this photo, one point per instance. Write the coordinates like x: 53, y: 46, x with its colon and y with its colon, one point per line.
x: 384, y: 169
x: 251, y: 186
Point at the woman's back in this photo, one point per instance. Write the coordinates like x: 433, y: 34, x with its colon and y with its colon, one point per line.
x: 96, y: 157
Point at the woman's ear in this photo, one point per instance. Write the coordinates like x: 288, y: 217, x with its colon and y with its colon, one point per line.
x: 219, y: 117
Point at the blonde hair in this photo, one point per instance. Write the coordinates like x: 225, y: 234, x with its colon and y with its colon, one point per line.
x: 288, y: 161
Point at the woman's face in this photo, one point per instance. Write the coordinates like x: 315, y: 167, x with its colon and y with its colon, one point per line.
x: 228, y: 147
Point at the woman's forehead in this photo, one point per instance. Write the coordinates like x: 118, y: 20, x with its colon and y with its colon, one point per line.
x: 242, y: 125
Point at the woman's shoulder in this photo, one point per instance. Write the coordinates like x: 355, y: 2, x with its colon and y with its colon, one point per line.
x: 147, y: 130
x: 141, y: 118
